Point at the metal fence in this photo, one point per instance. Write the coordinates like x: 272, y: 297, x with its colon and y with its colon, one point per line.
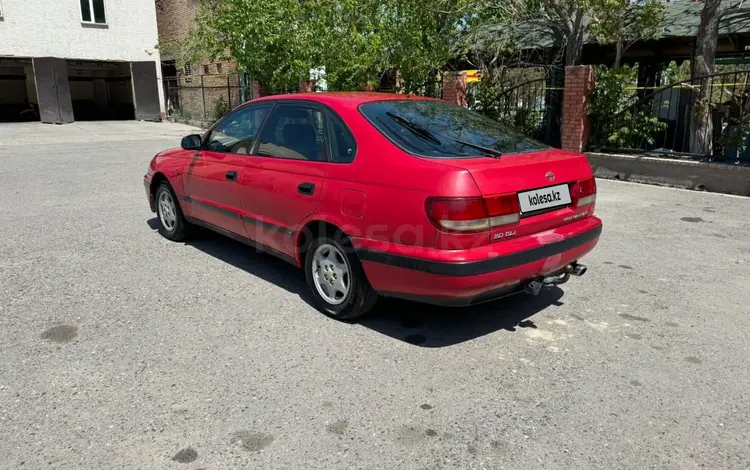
x: 205, y: 97
x: 533, y: 107
x: 659, y: 122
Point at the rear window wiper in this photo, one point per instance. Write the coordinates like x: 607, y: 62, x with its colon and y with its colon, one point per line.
x: 429, y: 135
x: 414, y: 127
x: 491, y: 153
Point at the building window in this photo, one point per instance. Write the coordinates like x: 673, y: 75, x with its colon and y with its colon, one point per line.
x: 205, y: 70
x: 92, y: 11
x: 186, y: 70
x: 219, y: 68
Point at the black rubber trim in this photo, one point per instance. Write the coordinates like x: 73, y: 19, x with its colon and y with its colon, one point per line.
x: 262, y: 223
x: 268, y: 226
x: 241, y: 239
x: 488, y: 296
x: 479, y: 267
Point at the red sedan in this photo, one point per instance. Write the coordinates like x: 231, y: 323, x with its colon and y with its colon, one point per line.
x: 378, y: 194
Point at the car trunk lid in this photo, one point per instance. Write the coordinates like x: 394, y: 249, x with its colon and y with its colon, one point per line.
x: 552, y: 187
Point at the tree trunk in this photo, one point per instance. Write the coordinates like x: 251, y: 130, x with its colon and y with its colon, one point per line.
x: 574, y: 48
x: 619, y: 51
x: 701, y: 123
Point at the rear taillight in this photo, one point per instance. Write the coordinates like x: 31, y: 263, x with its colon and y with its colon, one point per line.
x: 503, y: 209
x: 458, y: 214
x: 584, y: 192
x: 473, y: 214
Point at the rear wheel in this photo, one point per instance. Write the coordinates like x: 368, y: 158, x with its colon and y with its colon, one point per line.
x: 172, y: 223
x: 337, y: 280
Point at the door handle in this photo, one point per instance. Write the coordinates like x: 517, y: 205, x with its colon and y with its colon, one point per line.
x: 306, y: 188
x: 231, y: 175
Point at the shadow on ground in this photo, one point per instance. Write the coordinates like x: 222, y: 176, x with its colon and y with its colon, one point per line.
x: 259, y: 264
x: 414, y: 323
x: 436, y: 327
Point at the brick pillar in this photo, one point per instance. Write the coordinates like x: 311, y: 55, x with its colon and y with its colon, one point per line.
x: 579, y: 83
x: 258, y: 90
x: 454, y: 88
x: 307, y: 86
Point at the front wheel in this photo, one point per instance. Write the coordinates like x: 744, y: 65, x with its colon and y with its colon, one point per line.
x: 337, y: 280
x: 171, y: 219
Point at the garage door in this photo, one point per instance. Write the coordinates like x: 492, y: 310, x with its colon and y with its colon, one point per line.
x: 146, y: 91
x: 53, y: 90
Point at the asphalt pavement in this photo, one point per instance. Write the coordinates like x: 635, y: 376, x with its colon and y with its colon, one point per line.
x: 121, y: 349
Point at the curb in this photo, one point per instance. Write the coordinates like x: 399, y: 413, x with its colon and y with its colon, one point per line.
x: 688, y: 174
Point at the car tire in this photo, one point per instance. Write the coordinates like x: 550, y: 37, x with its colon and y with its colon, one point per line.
x: 172, y: 223
x: 336, y: 279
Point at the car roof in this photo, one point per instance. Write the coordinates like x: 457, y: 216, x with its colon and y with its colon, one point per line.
x: 351, y: 98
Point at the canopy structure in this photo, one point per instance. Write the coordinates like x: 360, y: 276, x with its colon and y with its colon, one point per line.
x: 540, y: 43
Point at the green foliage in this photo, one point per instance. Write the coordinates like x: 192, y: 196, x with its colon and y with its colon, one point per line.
x: 622, y: 22
x: 637, y: 128
x: 525, y: 120
x: 617, y: 119
x: 221, y: 107
x: 676, y: 73
x: 279, y: 41
x: 272, y: 39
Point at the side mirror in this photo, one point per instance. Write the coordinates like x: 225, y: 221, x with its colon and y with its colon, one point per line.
x: 192, y: 142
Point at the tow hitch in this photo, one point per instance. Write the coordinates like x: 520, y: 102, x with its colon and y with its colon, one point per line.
x: 535, y: 286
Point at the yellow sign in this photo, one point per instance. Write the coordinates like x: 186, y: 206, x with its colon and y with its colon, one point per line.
x: 473, y: 76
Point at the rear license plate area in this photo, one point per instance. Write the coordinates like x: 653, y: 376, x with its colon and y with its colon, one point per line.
x: 544, y: 198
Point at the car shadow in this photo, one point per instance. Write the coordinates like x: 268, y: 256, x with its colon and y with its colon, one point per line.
x: 417, y: 324
x: 241, y: 256
x: 429, y: 326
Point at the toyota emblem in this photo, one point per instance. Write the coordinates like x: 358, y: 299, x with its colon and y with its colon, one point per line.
x: 550, y: 176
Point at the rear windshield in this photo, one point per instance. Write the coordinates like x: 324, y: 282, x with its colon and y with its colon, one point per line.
x: 445, y: 124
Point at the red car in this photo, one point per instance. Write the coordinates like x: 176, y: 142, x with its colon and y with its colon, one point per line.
x: 383, y: 194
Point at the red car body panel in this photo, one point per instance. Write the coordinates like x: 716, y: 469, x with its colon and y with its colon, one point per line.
x: 461, y: 277
x: 210, y: 196
x: 271, y: 198
x: 379, y: 199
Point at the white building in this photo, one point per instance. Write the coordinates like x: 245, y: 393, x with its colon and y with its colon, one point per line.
x: 80, y: 60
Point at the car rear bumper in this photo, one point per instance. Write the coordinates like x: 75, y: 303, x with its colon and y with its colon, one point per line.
x: 465, y: 277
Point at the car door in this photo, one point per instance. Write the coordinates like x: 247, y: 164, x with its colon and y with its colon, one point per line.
x: 213, y: 174
x: 291, y: 156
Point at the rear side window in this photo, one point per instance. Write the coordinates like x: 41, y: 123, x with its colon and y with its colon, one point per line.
x: 437, y: 129
x: 343, y: 145
x: 295, y: 132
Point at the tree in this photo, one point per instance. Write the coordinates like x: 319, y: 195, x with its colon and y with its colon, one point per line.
x: 569, y: 22
x: 624, y: 22
x: 425, y: 33
x: 279, y: 41
x: 706, y: 43
x: 274, y: 40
